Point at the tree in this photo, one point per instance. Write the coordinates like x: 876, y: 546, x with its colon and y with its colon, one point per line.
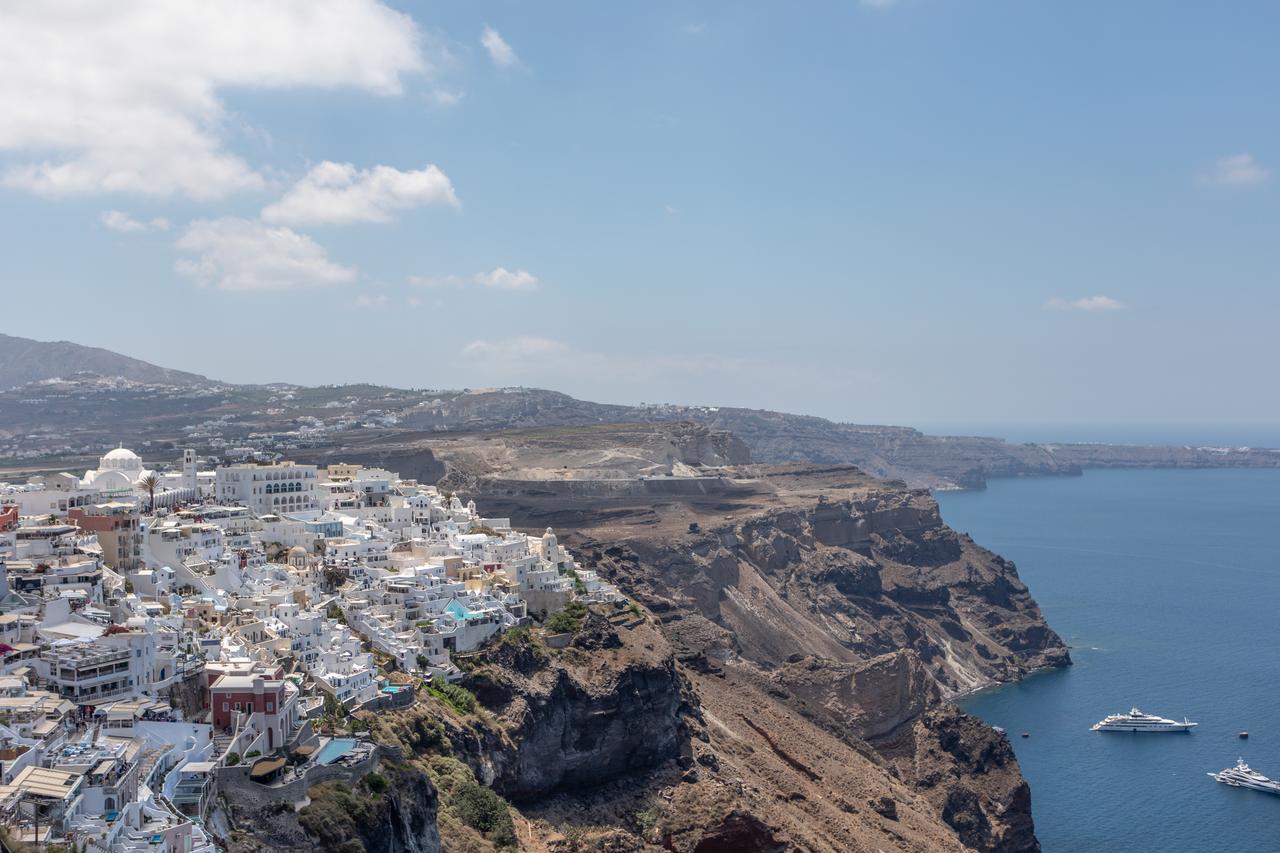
x: 149, y: 484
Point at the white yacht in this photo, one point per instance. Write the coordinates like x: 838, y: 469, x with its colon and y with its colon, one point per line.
x: 1243, y: 776
x: 1136, y: 721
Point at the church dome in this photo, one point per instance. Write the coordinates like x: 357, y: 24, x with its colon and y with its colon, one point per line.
x: 120, y: 459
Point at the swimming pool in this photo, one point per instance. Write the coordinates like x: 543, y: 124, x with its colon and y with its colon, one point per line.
x: 334, y: 749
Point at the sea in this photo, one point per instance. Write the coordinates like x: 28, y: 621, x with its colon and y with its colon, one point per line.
x: 1166, y: 586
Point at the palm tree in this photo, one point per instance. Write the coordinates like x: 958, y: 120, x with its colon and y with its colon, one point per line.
x: 149, y: 484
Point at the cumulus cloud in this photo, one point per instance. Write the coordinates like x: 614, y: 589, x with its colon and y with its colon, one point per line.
x: 499, y: 278
x: 339, y: 193
x: 1092, y: 304
x: 510, y: 349
x: 1236, y: 170
x: 500, y: 52
x: 125, y: 96
x: 122, y: 222
x: 246, y: 255
x: 502, y: 278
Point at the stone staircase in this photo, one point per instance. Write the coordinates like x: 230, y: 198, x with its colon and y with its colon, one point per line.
x: 221, y: 742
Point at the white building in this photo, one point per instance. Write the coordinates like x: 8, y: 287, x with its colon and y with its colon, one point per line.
x: 279, y: 488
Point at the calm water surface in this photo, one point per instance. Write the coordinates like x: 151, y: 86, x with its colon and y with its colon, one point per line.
x: 1166, y: 584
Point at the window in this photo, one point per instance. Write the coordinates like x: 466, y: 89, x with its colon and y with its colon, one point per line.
x: 270, y: 705
x: 226, y: 706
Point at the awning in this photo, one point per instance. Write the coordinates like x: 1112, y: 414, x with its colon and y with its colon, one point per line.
x: 266, y: 767
x: 304, y: 751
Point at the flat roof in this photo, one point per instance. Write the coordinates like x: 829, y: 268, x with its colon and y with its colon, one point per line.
x: 42, y: 782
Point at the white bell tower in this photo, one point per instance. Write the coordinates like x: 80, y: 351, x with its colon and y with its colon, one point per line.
x: 190, y: 477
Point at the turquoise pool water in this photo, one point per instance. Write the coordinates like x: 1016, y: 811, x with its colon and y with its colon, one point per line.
x: 334, y: 749
x: 458, y: 610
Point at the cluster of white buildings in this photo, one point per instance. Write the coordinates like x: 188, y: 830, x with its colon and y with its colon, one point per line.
x: 163, y: 633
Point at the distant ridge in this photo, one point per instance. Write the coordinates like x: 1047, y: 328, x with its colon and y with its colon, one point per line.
x: 23, y: 360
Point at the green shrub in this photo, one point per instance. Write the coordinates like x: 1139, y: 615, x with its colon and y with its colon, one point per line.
x: 483, y: 810
x: 648, y: 817
x: 568, y: 620
x: 233, y: 758
x: 516, y: 638
x: 455, y: 696
x: 253, y: 753
x: 376, y: 782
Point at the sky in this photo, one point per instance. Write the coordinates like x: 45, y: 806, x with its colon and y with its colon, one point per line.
x: 889, y: 211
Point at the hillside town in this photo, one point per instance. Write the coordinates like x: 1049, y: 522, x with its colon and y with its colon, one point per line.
x: 171, y: 635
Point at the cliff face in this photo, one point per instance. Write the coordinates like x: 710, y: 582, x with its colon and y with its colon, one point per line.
x: 340, y: 817
x: 845, y: 579
x: 614, y: 744
x: 571, y: 719
x: 815, y: 620
x: 782, y: 685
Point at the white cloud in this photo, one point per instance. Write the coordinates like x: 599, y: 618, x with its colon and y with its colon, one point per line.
x: 1088, y: 303
x: 246, y: 255
x: 366, y: 301
x: 1236, y: 170
x: 695, y: 29
x: 117, y: 220
x: 511, y: 349
x: 446, y: 98
x: 499, y: 51
x: 125, y: 96
x: 335, y: 193
x: 499, y: 278
x: 502, y: 278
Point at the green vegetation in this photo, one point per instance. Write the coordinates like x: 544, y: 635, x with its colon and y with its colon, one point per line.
x: 335, y: 613
x: 516, y: 638
x: 336, y: 814
x: 455, y: 696
x: 483, y: 810
x: 253, y: 753
x: 647, y: 818
x: 485, y: 529
x: 233, y: 758
x: 465, y: 801
x: 568, y: 620
x: 376, y: 782
x: 634, y: 610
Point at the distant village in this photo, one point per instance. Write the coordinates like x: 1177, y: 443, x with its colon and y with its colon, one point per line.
x: 171, y: 636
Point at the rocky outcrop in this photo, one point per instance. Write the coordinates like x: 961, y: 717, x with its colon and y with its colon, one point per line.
x: 846, y: 580
x: 341, y: 817
x: 578, y: 718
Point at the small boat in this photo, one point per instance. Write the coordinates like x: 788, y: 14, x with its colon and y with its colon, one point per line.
x: 1026, y: 734
x: 1243, y: 736
x: 1136, y: 721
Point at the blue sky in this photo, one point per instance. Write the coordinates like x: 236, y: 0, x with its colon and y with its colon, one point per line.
x: 924, y: 211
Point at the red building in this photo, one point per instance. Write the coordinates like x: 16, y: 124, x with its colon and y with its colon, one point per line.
x: 247, y: 694
x: 251, y: 703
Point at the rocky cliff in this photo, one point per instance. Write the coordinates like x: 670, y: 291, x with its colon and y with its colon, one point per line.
x: 781, y: 681
x: 614, y: 743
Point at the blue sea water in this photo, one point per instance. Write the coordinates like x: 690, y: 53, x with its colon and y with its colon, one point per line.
x: 1166, y: 585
